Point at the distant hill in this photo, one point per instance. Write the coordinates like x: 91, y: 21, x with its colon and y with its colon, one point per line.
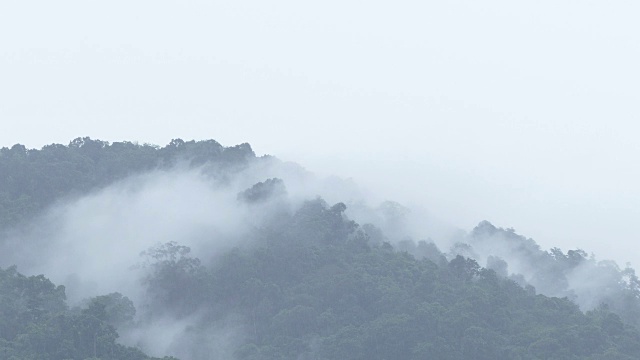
x: 306, y: 281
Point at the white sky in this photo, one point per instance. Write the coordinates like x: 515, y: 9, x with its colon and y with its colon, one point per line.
x: 519, y: 112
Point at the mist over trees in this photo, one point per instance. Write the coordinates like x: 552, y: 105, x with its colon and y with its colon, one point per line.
x: 37, y: 323
x: 294, y: 276
x: 32, y: 179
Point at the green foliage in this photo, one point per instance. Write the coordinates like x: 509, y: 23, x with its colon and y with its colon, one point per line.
x: 175, y: 281
x: 114, y: 309
x: 601, y: 282
x: 312, y: 285
x: 317, y: 288
x: 36, y: 324
x: 263, y: 191
x: 32, y: 179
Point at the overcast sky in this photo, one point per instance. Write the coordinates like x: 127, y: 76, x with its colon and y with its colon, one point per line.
x: 524, y: 113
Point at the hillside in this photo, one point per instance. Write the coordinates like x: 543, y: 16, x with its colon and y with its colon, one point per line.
x: 282, y: 273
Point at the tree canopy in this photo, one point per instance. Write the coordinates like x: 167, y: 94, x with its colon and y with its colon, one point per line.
x: 309, y: 282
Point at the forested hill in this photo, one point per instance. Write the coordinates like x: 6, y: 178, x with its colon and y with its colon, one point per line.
x: 31, y: 179
x: 297, y: 278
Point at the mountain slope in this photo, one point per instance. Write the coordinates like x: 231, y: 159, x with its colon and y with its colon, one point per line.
x: 297, y: 278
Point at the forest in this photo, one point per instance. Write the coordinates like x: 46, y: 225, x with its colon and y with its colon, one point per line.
x: 268, y: 264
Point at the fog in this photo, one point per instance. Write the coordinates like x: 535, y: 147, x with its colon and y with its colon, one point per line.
x: 98, y: 243
x: 522, y: 114
x: 425, y: 118
x: 92, y: 243
x: 95, y: 244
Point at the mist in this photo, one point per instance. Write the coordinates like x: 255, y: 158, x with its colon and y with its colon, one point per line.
x: 103, y: 242
x: 95, y: 244
x: 521, y: 114
x: 424, y: 119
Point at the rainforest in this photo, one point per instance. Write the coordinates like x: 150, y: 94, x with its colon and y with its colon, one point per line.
x: 195, y: 250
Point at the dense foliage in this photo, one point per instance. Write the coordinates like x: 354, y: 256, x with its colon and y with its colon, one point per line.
x: 35, y: 323
x: 574, y: 274
x: 308, y: 282
x: 317, y: 288
x: 32, y: 179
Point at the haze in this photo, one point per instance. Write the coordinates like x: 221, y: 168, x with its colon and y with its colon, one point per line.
x: 524, y: 114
